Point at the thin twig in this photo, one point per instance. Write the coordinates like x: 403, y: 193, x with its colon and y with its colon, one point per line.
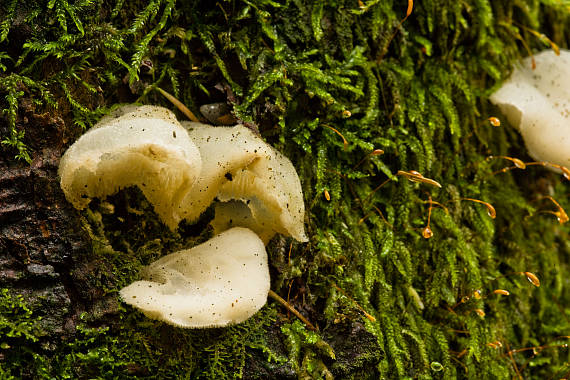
x: 179, y: 105
x: 278, y: 298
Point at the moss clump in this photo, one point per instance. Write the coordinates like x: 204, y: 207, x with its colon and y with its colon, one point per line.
x: 17, y: 328
x: 133, y: 348
x: 299, y: 71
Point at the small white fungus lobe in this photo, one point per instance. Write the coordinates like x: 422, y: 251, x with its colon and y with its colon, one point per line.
x: 221, y: 282
x: 182, y: 170
x: 136, y: 146
x: 239, y: 165
x: 537, y: 102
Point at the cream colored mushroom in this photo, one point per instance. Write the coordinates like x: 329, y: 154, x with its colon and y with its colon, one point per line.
x: 537, y: 102
x: 221, y: 282
x: 239, y: 165
x: 141, y: 146
x: 225, y: 280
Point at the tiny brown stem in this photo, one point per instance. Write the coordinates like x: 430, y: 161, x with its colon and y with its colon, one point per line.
x: 179, y: 105
x: 278, y: 298
x: 344, y: 141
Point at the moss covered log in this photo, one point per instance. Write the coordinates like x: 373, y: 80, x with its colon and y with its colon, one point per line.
x: 330, y: 84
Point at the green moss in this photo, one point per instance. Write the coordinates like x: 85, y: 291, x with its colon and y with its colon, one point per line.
x: 17, y: 321
x: 297, y: 69
x: 134, y: 347
x: 18, y: 329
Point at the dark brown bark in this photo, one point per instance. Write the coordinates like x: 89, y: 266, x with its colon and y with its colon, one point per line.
x: 43, y: 249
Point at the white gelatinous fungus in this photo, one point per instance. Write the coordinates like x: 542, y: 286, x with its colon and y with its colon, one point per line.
x: 221, y: 282
x: 537, y: 102
x: 181, y: 170
x: 142, y: 146
x: 238, y: 165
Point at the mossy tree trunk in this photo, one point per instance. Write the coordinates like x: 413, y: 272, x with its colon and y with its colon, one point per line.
x: 328, y: 83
